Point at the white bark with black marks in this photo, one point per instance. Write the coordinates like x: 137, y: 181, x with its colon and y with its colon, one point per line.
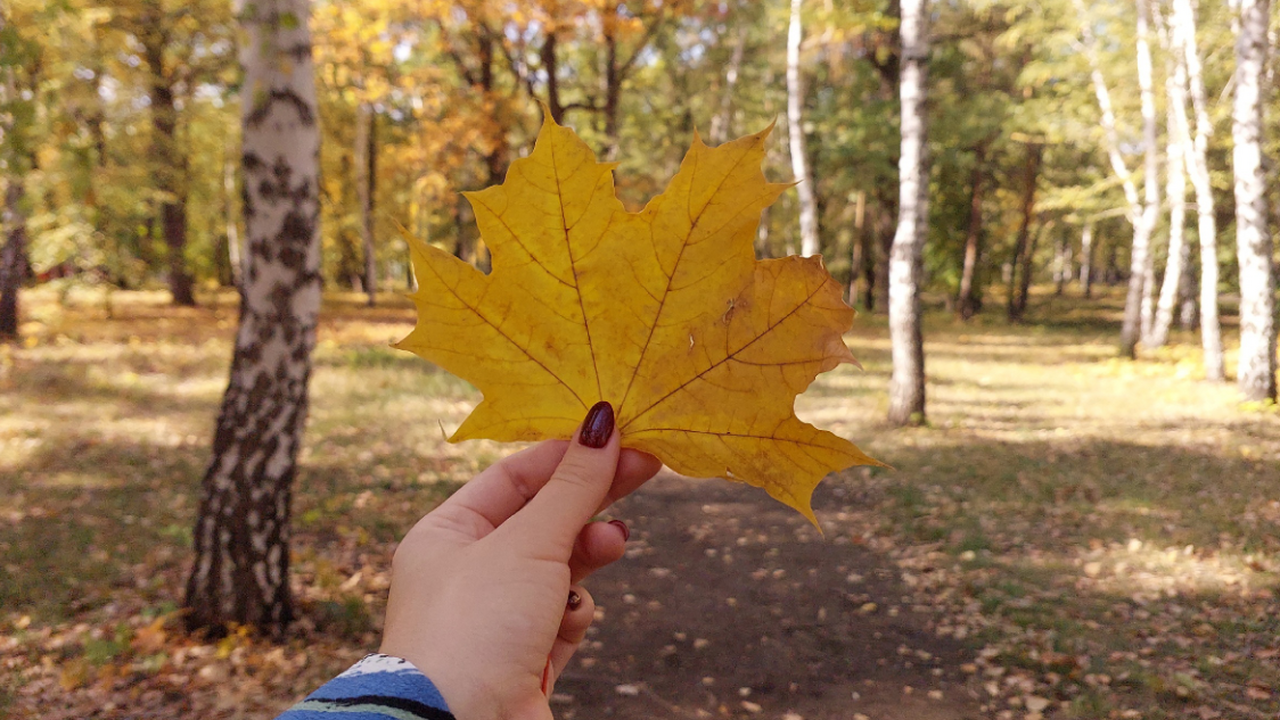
x: 906, y: 260
x: 241, y: 537
x: 1256, y: 374
x: 1184, y: 24
x: 1177, y: 145
x: 809, y: 244
x: 1137, y: 324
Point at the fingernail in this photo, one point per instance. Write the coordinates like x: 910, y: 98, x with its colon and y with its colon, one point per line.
x: 598, y: 425
x: 626, y: 531
x: 575, y: 600
x: 546, y: 677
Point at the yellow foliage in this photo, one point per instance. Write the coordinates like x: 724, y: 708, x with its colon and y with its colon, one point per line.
x: 665, y: 313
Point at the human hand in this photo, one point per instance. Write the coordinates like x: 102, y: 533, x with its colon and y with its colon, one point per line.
x: 483, y: 587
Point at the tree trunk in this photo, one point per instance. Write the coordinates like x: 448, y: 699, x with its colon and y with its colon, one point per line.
x: 1027, y: 271
x: 1141, y: 258
x: 858, y: 247
x: 887, y: 60
x: 170, y: 166
x: 1111, y: 273
x: 809, y: 244
x: 1256, y: 375
x: 612, y: 85
x: 1188, y: 309
x: 967, y: 299
x: 1176, y: 147
x: 885, y: 228
x: 906, y: 385
x: 1142, y: 214
x: 1086, y: 259
x: 12, y: 256
x: 235, y: 258
x: 496, y: 159
x: 1198, y: 169
x: 366, y: 160
x: 241, y: 537
x: 1061, y: 263
x: 1030, y: 177
x: 868, y: 266
x: 550, y: 67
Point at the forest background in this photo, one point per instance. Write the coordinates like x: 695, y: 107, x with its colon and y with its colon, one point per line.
x: 1075, y: 149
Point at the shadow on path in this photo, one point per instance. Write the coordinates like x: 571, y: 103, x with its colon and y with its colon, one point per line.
x: 731, y: 605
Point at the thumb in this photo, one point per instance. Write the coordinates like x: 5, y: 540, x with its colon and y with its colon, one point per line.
x: 554, y: 517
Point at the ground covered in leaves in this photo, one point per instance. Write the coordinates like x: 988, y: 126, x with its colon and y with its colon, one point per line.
x: 1073, y: 536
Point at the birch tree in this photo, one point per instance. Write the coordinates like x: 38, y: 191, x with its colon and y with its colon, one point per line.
x: 906, y: 259
x: 795, y: 125
x: 1184, y: 26
x: 1257, y: 371
x: 1177, y: 146
x: 241, y: 537
x: 1140, y: 258
x: 1141, y: 212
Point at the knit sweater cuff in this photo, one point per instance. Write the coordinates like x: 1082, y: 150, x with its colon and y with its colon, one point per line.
x: 379, y: 687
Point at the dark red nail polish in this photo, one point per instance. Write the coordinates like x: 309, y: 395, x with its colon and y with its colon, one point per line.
x: 575, y: 600
x: 598, y: 425
x: 626, y: 531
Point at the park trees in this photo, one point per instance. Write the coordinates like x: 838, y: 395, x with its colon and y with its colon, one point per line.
x: 241, y: 534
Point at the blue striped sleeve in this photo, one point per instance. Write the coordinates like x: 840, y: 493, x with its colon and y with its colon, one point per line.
x: 379, y: 687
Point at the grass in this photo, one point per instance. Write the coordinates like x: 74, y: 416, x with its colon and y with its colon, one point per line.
x: 1107, y: 532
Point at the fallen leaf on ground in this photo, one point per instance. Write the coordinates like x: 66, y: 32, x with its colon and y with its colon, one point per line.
x: 665, y: 313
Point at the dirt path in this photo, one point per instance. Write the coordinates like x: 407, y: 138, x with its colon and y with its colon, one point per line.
x: 731, y: 605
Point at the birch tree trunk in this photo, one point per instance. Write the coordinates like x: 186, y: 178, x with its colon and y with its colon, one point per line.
x: 1257, y: 371
x: 1142, y: 216
x: 235, y: 258
x: 241, y: 537
x: 1086, y: 259
x: 809, y: 245
x: 906, y: 385
x: 1177, y: 145
x: 1198, y: 168
x: 1141, y: 269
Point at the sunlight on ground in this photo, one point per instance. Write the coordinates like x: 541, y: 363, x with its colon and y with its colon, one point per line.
x: 1136, y: 568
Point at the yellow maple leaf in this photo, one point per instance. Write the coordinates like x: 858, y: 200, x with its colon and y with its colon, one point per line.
x: 666, y: 313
